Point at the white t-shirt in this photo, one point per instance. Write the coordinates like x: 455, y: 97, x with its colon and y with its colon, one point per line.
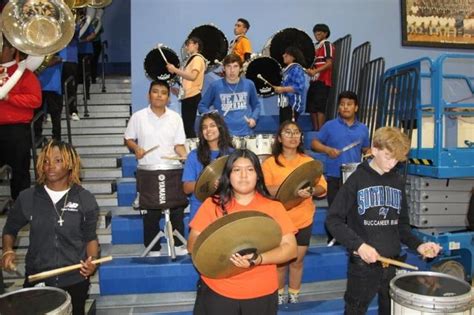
x: 149, y: 130
x: 55, y: 195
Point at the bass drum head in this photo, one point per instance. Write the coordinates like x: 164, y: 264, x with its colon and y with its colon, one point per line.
x: 214, y: 41
x: 36, y: 301
x: 276, y: 45
x: 155, y: 66
x: 268, y: 68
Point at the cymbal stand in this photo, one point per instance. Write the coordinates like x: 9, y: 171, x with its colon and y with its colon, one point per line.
x: 168, y: 234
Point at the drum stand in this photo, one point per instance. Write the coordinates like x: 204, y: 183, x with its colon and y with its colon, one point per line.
x: 168, y: 234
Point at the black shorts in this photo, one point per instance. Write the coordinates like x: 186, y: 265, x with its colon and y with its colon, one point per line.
x: 317, y: 97
x: 303, y: 236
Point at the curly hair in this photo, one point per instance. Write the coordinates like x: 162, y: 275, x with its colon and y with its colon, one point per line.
x: 70, y: 158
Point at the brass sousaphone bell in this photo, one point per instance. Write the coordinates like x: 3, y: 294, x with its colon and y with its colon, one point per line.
x: 38, y: 27
x: 98, y: 4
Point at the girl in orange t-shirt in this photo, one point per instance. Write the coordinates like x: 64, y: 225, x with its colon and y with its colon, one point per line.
x: 287, y: 155
x: 254, y: 291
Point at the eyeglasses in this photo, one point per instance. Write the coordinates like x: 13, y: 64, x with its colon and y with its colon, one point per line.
x: 289, y: 133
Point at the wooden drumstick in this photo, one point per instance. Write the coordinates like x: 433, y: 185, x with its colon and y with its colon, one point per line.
x: 151, y: 149
x: 59, y: 271
x: 216, y: 61
x: 264, y: 80
x: 396, y: 263
x: 162, y: 54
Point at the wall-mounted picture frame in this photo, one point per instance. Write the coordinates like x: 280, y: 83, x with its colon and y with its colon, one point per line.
x: 438, y: 23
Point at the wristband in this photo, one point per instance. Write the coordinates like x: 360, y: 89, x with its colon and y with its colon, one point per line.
x: 8, y: 252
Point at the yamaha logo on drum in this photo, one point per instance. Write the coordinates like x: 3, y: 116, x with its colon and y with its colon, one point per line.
x: 162, y: 188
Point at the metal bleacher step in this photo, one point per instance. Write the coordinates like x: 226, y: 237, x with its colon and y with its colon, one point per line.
x: 95, y: 160
x: 100, y: 130
x: 103, y: 149
x: 106, y: 99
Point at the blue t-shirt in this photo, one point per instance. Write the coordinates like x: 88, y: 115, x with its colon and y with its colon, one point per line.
x: 69, y: 53
x: 294, y: 76
x: 191, y: 172
x: 234, y: 102
x: 337, y: 134
x: 50, y: 78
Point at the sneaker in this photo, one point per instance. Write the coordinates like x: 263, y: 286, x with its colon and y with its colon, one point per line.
x: 75, y: 117
x: 136, y: 202
x: 281, y: 299
x: 154, y: 253
x: 293, y: 298
x: 180, y: 250
x: 48, y: 118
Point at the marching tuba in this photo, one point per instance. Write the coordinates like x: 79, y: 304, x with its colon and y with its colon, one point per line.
x: 38, y: 27
x: 98, y: 4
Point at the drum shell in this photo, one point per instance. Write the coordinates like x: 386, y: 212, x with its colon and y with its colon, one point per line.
x: 155, y: 66
x: 160, y: 187
x: 25, y: 301
x: 268, y: 68
x: 347, y: 170
x: 406, y: 302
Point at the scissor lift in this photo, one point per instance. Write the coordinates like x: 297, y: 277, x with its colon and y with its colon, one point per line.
x: 437, y: 96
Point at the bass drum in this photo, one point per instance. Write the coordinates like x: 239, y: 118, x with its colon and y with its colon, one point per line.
x: 276, y: 45
x: 155, y: 65
x: 268, y: 68
x: 215, y: 44
x: 36, y: 301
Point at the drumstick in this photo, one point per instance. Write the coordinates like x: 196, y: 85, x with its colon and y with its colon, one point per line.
x: 264, y: 80
x: 216, y: 61
x: 396, y: 263
x: 151, y: 149
x: 350, y: 146
x: 59, y: 271
x: 162, y: 54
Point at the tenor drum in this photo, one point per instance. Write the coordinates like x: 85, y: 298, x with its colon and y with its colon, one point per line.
x: 214, y: 41
x: 155, y: 65
x: 268, y: 68
x: 238, y: 142
x: 36, y: 301
x: 276, y: 45
x: 423, y: 293
x: 260, y: 144
x: 347, y: 170
x: 191, y: 144
x: 160, y: 186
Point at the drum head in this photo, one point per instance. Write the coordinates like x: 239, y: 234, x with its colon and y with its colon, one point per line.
x: 155, y: 66
x: 244, y: 232
x: 214, y: 41
x: 269, y: 69
x: 275, y: 47
x: 34, y: 301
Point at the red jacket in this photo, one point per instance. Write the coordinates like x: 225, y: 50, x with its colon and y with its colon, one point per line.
x: 22, y: 99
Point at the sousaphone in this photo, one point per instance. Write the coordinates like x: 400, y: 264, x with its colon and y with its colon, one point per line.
x: 38, y: 27
x: 97, y: 4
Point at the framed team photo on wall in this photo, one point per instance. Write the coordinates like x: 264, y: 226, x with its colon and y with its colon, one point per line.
x: 438, y: 23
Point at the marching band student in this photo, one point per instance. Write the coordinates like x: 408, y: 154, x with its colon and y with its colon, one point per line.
x: 147, y: 128
x: 63, y: 220
x: 241, y: 45
x: 193, y: 81
x: 234, y: 97
x: 214, y: 141
x: 370, y: 218
x: 254, y: 291
x: 287, y: 155
x: 292, y: 86
x: 18, y: 99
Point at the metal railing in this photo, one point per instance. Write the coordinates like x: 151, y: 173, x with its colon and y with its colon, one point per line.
x: 68, y: 100
x: 86, y: 81
x: 36, y: 141
x: 104, y: 59
x: 360, y: 57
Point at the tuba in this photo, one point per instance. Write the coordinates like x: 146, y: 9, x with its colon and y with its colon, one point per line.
x: 80, y: 4
x: 38, y: 27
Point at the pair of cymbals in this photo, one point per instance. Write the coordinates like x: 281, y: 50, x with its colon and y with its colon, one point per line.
x: 243, y: 232
x: 302, y: 177
x: 205, y: 185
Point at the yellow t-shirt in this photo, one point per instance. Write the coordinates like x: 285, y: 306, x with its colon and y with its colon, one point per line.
x: 302, y: 215
x: 192, y: 88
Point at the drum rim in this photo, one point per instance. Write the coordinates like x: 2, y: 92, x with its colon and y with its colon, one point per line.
x: 67, y: 303
x: 173, y: 76
x: 421, y: 302
x: 259, y: 56
x: 160, y: 167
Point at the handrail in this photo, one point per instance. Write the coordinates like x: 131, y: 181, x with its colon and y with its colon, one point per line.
x: 34, y: 142
x: 68, y: 100
x: 104, y: 58
x: 86, y: 77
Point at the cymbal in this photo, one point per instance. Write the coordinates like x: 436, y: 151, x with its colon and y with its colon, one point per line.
x: 303, y: 176
x: 244, y: 232
x: 205, y: 184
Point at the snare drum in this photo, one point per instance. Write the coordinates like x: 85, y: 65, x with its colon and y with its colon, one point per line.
x: 238, y: 142
x: 160, y: 186
x: 45, y: 300
x: 155, y: 66
x: 268, y: 68
x: 347, y: 170
x: 260, y: 144
x: 191, y: 144
x: 423, y: 293
x: 276, y: 45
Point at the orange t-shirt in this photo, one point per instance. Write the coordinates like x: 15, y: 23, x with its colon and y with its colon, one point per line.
x: 302, y: 215
x: 255, y: 282
x: 242, y: 47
